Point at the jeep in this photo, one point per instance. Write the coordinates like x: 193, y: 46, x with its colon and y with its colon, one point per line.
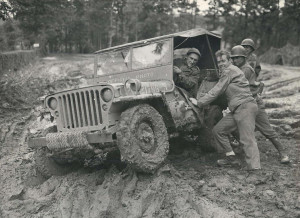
x: 131, y: 105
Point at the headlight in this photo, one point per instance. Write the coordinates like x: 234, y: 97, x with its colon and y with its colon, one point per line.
x: 106, y: 94
x: 52, y: 103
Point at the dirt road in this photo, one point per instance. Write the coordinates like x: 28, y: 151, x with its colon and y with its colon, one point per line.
x: 188, y: 185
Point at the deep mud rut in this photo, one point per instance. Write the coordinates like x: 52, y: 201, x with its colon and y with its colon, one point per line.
x: 188, y: 185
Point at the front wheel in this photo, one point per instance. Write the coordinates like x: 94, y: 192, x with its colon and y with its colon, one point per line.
x: 143, y: 138
x: 48, y: 166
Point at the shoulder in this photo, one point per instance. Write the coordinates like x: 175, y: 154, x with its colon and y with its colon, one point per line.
x: 252, y: 57
x: 247, y: 67
x: 229, y: 72
x: 234, y: 69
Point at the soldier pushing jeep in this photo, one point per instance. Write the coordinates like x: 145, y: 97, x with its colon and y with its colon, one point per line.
x: 238, y: 56
x: 243, y: 110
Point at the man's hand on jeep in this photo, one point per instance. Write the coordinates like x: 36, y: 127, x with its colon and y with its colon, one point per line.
x: 177, y: 70
x: 194, y: 101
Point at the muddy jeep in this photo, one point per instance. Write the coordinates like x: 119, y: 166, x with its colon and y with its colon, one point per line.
x: 132, y: 105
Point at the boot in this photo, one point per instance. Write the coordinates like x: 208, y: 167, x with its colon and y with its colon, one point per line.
x: 284, y: 158
x: 229, y: 161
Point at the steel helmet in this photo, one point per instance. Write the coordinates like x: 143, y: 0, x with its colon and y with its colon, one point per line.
x: 194, y: 50
x: 238, y: 51
x: 248, y: 42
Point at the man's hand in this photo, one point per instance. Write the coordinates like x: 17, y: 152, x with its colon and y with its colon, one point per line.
x: 177, y: 70
x: 194, y: 101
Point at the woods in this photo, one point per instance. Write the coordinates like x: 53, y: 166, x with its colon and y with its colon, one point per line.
x: 87, y: 25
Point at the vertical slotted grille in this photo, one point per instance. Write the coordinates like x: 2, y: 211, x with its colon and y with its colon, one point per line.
x: 80, y: 109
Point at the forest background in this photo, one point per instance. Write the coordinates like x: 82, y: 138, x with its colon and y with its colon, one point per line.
x: 84, y: 26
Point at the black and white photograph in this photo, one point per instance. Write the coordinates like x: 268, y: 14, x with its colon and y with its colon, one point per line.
x: 149, y: 108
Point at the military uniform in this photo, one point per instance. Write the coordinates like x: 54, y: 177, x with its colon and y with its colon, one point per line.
x: 189, y: 79
x: 254, y: 63
x: 262, y: 121
x: 243, y: 109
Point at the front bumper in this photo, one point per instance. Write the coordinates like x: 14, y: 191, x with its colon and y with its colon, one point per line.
x: 65, y: 140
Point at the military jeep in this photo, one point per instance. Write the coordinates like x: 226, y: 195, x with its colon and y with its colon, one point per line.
x: 131, y: 104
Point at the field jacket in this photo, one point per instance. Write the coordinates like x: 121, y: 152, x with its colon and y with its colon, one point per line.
x: 234, y: 85
x: 189, y: 79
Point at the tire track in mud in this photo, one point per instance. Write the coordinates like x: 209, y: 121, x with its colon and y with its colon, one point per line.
x: 280, y: 84
x: 114, y: 193
x: 14, y: 132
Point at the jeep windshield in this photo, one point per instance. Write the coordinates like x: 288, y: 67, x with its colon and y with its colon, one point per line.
x: 135, y: 58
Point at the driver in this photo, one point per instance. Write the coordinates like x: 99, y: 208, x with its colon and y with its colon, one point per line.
x: 187, y: 74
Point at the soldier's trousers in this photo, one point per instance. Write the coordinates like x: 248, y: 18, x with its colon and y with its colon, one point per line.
x: 243, y: 119
x: 263, y: 124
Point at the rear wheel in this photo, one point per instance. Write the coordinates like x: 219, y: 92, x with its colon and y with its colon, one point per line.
x: 142, y: 138
x: 206, y: 139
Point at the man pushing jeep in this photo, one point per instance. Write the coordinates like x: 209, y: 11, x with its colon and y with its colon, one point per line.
x: 243, y: 110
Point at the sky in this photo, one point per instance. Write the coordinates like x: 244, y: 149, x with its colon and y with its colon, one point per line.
x: 203, y: 5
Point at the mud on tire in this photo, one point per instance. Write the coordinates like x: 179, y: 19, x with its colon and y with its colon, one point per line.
x: 142, y: 138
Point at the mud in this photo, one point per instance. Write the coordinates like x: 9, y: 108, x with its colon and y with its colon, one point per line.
x: 189, y: 184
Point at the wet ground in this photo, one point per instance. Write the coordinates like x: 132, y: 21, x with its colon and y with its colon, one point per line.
x: 188, y: 185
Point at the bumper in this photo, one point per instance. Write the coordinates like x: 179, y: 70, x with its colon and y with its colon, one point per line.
x: 66, y: 140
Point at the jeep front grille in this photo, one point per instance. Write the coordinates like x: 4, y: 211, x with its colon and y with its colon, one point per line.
x: 80, y: 109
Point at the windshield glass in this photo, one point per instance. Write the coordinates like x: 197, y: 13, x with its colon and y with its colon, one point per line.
x: 153, y: 54
x: 113, y: 62
x: 157, y: 53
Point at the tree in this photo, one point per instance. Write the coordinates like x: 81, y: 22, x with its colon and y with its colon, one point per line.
x: 5, y: 10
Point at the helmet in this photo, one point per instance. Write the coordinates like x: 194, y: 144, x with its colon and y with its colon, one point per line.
x: 248, y: 42
x: 238, y: 51
x: 194, y: 50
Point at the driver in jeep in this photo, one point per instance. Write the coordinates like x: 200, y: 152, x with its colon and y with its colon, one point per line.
x: 187, y: 73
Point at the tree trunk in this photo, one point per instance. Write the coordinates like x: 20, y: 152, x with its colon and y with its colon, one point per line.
x: 110, y: 32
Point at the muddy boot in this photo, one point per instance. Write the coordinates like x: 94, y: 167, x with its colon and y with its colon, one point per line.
x: 256, y: 177
x: 231, y: 160
x: 284, y: 158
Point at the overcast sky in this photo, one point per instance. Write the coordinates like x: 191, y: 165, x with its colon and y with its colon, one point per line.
x: 203, y: 5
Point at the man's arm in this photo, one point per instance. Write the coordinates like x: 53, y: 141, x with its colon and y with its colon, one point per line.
x: 217, y: 90
x: 186, y: 82
x: 249, y: 73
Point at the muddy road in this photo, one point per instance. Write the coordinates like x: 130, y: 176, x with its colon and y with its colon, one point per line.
x: 188, y: 185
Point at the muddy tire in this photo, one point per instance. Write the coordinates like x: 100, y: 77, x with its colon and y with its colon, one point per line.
x: 47, y: 166
x: 142, y: 138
